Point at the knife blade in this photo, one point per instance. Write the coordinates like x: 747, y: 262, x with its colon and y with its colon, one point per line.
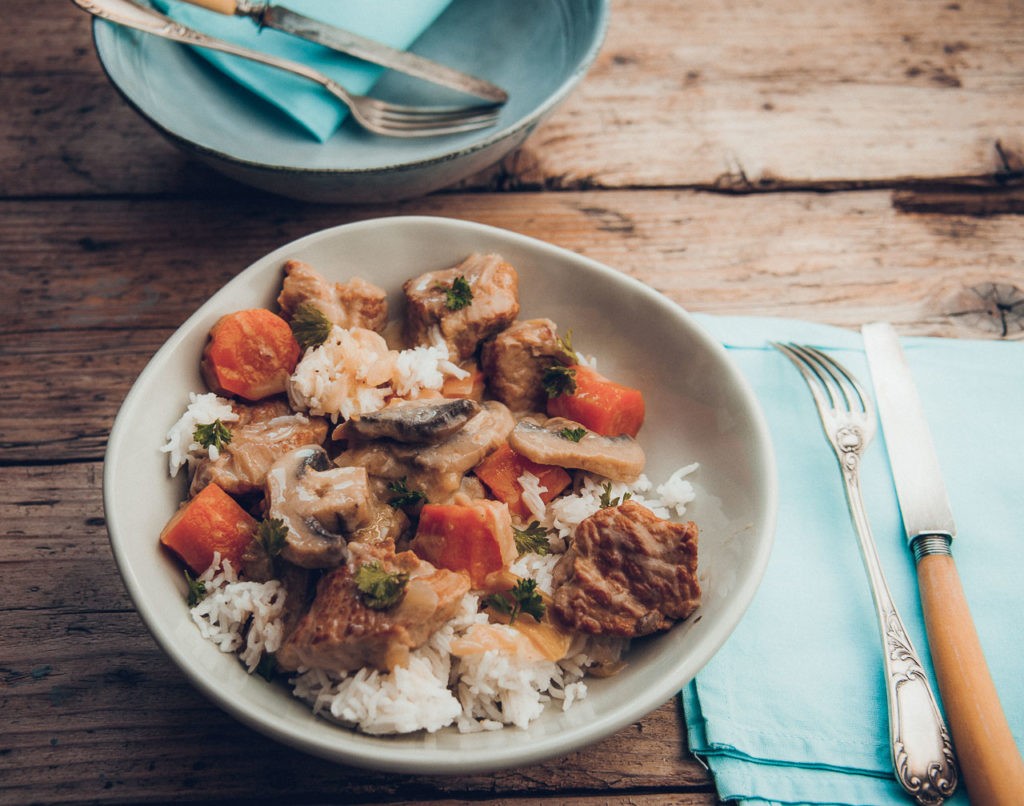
x: 990, y: 762
x: 283, y: 19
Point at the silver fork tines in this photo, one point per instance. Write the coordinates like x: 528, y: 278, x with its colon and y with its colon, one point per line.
x: 375, y: 115
x: 922, y: 751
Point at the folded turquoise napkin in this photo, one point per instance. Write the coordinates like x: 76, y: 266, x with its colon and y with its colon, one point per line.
x: 792, y: 708
x: 395, y: 22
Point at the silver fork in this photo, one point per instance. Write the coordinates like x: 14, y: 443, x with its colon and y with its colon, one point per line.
x: 380, y: 117
x: 922, y: 751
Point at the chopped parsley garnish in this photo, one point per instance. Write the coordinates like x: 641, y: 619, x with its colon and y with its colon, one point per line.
x: 212, y: 435
x: 566, y: 348
x: 272, y: 534
x: 403, y: 496
x: 196, y: 590
x: 573, y: 434
x: 608, y: 501
x: 534, y: 538
x: 458, y: 295
x: 559, y: 380
x: 380, y: 589
x: 310, y: 325
x: 525, y: 598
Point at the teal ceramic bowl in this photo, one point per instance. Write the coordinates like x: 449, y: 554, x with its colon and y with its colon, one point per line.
x: 537, y: 50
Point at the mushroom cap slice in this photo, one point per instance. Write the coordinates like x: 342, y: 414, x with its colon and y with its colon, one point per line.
x: 414, y: 421
x: 618, y: 458
x: 319, y: 504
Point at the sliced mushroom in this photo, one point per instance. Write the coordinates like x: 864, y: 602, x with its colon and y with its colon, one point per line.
x: 435, y: 469
x: 553, y: 443
x: 413, y: 421
x: 319, y: 504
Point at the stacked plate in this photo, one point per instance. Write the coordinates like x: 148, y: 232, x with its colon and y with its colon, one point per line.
x: 537, y: 50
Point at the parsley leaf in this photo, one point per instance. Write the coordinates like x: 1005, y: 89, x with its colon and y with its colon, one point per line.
x: 380, y: 589
x: 196, y: 590
x: 608, y: 501
x: 310, y: 325
x: 558, y: 380
x: 525, y: 599
x: 458, y: 295
x: 214, y: 434
x: 272, y: 534
x: 403, y: 496
x: 573, y: 434
x: 534, y: 538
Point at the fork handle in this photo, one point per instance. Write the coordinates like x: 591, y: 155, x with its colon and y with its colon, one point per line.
x: 989, y: 759
x: 922, y: 752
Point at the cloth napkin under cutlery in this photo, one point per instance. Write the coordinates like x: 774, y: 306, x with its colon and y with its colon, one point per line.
x: 792, y: 709
x: 397, y: 25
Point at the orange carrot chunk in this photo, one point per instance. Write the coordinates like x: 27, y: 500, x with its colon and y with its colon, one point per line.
x: 472, y: 386
x: 475, y: 538
x: 212, y: 521
x: 601, y: 405
x: 250, y: 353
x: 501, y: 470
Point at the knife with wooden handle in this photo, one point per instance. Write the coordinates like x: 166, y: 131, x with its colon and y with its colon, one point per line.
x: 280, y: 18
x: 990, y: 762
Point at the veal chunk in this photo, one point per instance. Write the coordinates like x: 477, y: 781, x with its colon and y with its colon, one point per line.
x: 433, y: 304
x: 516, y: 359
x: 628, y: 573
x: 355, y: 303
x: 258, y: 439
x: 340, y: 633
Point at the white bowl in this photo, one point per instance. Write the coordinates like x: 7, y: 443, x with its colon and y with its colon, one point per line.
x: 537, y: 50
x: 699, y: 410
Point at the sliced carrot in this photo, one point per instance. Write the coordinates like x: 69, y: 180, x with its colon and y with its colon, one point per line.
x: 212, y: 521
x: 602, y: 405
x: 475, y: 538
x: 250, y: 353
x: 501, y: 470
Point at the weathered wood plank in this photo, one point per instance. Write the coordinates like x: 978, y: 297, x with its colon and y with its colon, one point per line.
x: 96, y: 287
x: 741, y: 96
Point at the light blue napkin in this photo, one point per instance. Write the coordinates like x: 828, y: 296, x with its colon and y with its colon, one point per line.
x: 792, y: 708
x: 397, y: 23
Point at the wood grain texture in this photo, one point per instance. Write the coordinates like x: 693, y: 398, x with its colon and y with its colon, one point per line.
x: 841, y: 161
x: 741, y: 96
x: 96, y: 287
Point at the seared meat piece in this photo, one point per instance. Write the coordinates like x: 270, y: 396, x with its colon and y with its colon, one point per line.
x: 341, y: 633
x: 618, y: 458
x: 356, y: 303
x: 261, y: 435
x: 627, y: 573
x: 516, y: 359
x: 321, y: 506
x: 435, y: 469
x: 413, y: 421
x: 494, y: 287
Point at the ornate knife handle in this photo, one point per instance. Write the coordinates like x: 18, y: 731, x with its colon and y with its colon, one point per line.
x: 922, y: 751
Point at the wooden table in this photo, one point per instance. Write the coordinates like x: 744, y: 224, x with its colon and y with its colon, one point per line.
x: 836, y: 160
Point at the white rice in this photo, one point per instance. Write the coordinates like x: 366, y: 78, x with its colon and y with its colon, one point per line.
x: 353, y: 372
x: 239, y: 616
x: 202, y: 410
x: 483, y: 691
